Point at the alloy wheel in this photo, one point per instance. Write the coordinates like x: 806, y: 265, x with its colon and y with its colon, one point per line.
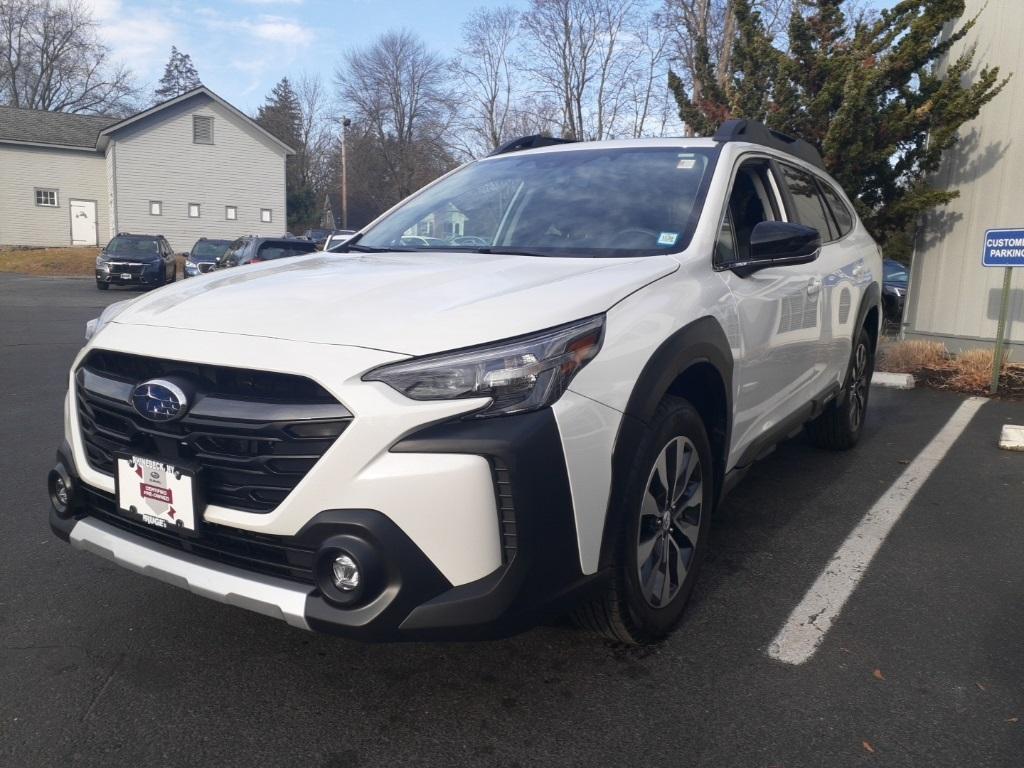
x: 858, y: 396
x: 670, y: 521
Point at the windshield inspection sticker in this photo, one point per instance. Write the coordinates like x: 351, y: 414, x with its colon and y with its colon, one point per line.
x: 667, y: 238
x: 686, y: 162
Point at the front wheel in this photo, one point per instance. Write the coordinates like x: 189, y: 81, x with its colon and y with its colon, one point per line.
x: 840, y: 425
x: 102, y: 286
x: 662, y: 533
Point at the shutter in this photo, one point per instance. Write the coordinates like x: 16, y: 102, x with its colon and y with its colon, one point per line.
x: 202, y: 129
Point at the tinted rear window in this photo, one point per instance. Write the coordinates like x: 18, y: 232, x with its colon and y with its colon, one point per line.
x: 810, y: 208
x: 843, y: 217
x: 280, y: 249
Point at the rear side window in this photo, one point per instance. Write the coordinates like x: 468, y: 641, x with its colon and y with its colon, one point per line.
x: 842, y: 214
x: 281, y: 250
x: 807, y: 201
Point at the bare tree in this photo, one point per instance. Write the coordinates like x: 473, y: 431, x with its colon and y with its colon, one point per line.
x: 583, y: 54
x: 397, y: 93
x: 52, y: 58
x: 317, y: 132
x: 487, y: 72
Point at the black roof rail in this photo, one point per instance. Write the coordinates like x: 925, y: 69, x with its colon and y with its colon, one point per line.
x: 759, y: 133
x: 528, y: 142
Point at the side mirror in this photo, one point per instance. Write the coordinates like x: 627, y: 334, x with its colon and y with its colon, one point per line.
x: 778, y: 244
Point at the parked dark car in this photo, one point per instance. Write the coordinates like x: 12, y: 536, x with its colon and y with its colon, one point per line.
x: 252, y: 250
x: 895, y: 281
x: 204, y: 255
x: 128, y: 259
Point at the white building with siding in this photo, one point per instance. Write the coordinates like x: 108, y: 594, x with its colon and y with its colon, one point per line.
x: 953, y: 299
x: 190, y: 167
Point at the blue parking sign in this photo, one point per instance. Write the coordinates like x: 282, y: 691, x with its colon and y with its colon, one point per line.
x: 1003, y: 248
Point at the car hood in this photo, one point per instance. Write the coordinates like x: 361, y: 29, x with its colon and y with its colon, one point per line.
x: 409, y: 303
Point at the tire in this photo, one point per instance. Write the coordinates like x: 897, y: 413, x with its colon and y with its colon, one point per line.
x: 643, y: 602
x: 840, y: 426
x: 102, y: 286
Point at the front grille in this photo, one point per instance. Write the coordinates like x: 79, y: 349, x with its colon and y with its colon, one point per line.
x: 251, y: 435
x: 205, y: 266
x: 271, y: 555
x: 133, y: 269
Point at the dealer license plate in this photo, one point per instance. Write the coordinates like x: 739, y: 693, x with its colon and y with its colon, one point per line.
x: 156, y: 493
x: 126, y: 275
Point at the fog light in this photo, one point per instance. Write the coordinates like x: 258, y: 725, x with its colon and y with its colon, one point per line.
x: 345, y: 573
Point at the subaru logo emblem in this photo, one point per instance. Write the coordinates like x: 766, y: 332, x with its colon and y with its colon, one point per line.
x: 159, y: 400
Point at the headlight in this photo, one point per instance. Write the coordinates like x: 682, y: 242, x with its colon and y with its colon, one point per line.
x: 102, y: 264
x: 519, y: 375
x: 95, y: 325
x: 191, y: 267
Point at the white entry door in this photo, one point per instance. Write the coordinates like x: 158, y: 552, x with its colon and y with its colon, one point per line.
x: 83, y: 222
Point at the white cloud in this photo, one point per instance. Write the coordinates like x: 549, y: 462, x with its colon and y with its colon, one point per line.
x: 271, y: 2
x: 278, y: 29
x: 141, y: 38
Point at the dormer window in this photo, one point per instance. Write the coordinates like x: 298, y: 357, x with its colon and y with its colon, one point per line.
x: 202, y: 129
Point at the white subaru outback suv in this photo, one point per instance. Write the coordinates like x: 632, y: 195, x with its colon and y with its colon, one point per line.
x: 398, y: 441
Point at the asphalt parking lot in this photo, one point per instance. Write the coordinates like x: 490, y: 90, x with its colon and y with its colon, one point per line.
x: 924, y: 666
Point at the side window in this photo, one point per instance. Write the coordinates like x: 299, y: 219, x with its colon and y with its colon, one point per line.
x: 751, y: 201
x: 807, y: 202
x: 840, y: 212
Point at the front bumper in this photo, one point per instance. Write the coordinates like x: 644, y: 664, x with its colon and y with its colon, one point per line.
x: 149, y: 275
x: 539, y: 572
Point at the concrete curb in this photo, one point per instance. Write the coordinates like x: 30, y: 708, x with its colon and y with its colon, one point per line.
x: 893, y: 380
x: 1012, y: 438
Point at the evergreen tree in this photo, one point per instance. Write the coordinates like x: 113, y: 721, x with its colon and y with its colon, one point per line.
x: 281, y: 115
x: 180, y: 76
x: 879, y: 98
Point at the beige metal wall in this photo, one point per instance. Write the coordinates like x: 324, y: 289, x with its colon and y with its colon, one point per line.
x: 155, y: 159
x: 952, y: 297
x: 75, y: 174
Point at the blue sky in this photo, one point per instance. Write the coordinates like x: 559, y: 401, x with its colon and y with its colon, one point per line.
x: 242, y: 47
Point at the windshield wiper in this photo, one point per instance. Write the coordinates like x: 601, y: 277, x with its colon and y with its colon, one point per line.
x: 503, y: 251
x: 371, y: 249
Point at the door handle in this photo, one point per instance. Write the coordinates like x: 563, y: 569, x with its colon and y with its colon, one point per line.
x: 813, y: 286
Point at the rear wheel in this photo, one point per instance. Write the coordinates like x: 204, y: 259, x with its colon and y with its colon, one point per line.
x: 663, y: 531
x: 840, y: 425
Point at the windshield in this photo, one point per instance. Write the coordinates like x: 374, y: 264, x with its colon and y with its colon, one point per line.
x: 895, y: 272
x: 135, y: 247
x: 593, y: 202
x: 210, y: 249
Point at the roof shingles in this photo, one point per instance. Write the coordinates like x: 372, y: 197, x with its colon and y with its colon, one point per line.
x: 34, y: 126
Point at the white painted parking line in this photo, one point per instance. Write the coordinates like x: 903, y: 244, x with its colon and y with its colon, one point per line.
x: 807, y: 625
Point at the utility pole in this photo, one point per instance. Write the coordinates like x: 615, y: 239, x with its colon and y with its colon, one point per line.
x: 345, y: 123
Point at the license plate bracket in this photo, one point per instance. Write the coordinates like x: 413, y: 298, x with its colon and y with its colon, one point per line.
x: 158, y: 493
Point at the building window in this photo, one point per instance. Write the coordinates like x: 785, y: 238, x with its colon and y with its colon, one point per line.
x: 230, y: 212
x: 266, y: 215
x: 46, y: 198
x: 193, y: 210
x: 156, y: 208
x: 202, y: 129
